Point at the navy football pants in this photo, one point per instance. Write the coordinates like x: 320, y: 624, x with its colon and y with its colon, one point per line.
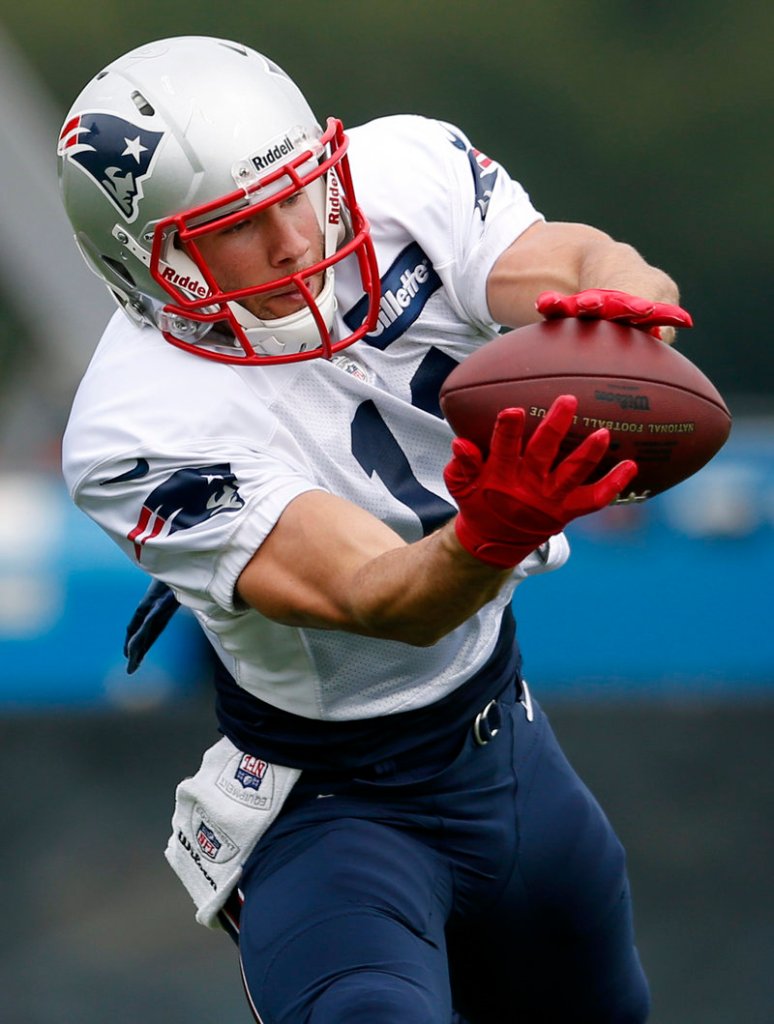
x: 496, y: 885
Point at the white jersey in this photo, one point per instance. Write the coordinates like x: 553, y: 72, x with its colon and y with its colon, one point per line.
x: 187, y: 464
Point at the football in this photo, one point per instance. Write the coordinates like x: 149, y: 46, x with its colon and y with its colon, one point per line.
x: 659, y: 407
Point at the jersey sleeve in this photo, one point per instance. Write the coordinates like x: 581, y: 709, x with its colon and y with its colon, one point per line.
x: 193, y: 519
x: 489, y: 210
x: 425, y: 181
x: 185, y: 466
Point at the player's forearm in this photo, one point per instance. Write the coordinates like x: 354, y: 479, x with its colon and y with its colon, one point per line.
x: 618, y: 266
x: 419, y: 593
x: 568, y: 258
x: 330, y: 565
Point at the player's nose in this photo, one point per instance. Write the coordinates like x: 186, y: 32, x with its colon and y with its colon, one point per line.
x: 285, y: 241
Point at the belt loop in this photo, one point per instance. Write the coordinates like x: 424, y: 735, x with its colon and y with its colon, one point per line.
x: 484, y: 731
x: 526, y: 700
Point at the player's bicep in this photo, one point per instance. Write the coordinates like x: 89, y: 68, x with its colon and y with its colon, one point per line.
x: 308, y: 570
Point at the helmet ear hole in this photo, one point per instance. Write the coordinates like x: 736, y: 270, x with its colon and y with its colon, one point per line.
x: 145, y: 108
x: 119, y: 271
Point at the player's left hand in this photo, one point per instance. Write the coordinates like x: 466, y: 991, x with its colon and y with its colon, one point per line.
x: 607, y: 304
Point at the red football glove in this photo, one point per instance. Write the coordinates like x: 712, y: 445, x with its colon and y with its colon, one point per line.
x: 512, y: 502
x: 605, y: 304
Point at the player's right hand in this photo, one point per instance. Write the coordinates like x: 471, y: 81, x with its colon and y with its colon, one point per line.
x: 514, y: 500
x: 657, y: 318
x: 150, y: 618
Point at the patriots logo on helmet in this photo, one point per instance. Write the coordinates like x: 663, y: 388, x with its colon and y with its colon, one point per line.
x: 189, y: 497
x: 116, y: 154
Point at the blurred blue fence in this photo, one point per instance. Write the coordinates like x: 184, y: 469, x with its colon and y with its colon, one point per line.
x: 66, y: 595
x: 673, y: 596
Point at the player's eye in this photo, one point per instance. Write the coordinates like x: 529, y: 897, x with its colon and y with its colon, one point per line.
x: 235, y: 228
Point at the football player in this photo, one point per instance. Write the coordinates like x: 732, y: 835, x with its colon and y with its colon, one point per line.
x: 388, y: 826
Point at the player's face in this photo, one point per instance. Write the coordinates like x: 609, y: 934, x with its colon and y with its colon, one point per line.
x: 278, y: 241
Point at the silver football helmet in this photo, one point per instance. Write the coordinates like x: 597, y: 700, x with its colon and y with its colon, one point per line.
x: 190, y: 136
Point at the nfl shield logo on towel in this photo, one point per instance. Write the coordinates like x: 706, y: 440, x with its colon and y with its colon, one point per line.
x: 248, y: 780
x: 208, y: 842
x: 212, y: 841
x: 250, y: 771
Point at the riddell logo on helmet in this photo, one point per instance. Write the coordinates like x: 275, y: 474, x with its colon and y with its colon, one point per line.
x: 185, y: 282
x: 273, y: 154
x: 334, y: 199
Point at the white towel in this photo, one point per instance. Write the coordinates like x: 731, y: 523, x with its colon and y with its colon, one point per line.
x: 220, y: 814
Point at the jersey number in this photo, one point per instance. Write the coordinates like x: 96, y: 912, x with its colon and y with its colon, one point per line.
x: 378, y: 451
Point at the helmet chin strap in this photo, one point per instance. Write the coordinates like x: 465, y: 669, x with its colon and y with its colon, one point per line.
x: 294, y: 333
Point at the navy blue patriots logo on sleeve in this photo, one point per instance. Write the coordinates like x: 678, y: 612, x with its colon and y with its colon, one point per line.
x: 484, y: 172
x: 188, y: 497
x: 116, y: 154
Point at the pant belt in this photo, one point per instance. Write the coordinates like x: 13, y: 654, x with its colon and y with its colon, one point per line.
x: 488, y: 722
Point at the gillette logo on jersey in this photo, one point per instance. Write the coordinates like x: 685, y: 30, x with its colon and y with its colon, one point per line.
x: 115, y: 153
x: 188, y: 497
x: 406, y: 287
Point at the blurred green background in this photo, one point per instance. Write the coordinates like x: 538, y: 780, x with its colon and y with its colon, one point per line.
x: 650, y: 119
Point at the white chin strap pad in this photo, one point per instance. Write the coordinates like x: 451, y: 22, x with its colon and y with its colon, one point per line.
x: 286, y: 335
